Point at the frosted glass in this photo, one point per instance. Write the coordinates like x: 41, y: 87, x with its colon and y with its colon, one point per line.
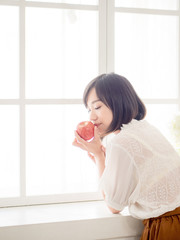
x: 146, y: 52
x: 9, y: 52
x: 9, y: 153
x: 61, y: 52
x: 154, y: 4
x: 53, y: 165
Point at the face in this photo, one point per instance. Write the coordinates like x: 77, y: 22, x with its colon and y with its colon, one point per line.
x: 99, y: 113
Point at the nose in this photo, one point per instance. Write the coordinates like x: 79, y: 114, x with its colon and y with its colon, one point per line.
x: 93, y: 117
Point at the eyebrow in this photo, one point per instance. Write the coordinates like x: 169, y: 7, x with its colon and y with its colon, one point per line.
x: 98, y: 100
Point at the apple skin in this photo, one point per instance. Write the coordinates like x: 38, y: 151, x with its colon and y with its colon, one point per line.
x: 85, y: 130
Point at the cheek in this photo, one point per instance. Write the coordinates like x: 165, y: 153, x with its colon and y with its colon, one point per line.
x: 108, y: 119
x: 109, y: 116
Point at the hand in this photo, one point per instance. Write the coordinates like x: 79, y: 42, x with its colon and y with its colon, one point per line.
x: 94, y: 147
x: 92, y: 156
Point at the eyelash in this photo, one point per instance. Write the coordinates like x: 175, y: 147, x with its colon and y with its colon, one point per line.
x: 97, y: 108
x: 89, y: 110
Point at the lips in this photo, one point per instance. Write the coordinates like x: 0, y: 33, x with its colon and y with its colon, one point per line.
x: 97, y: 124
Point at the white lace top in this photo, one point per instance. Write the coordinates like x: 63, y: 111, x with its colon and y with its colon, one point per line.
x: 142, y: 171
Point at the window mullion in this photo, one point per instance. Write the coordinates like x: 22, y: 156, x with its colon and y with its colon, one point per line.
x: 179, y: 62
x: 102, y: 36
x: 110, y: 35
x: 22, y: 98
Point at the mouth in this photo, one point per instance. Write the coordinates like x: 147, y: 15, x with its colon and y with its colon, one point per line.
x: 97, y: 124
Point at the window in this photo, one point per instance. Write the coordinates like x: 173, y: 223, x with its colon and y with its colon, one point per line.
x: 147, y: 53
x: 50, y: 50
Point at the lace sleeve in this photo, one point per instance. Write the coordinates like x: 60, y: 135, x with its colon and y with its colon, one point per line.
x: 119, y: 179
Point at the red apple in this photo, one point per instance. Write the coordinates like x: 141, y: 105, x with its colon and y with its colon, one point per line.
x: 86, y: 130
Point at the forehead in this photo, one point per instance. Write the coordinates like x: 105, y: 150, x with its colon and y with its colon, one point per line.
x: 92, y: 97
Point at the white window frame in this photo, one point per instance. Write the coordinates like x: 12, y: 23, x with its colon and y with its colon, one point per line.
x: 22, y: 101
x: 157, y: 12
x: 106, y: 9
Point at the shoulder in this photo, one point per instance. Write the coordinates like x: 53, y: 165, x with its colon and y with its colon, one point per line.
x: 141, y: 130
x: 141, y: 136
x: 130, y: 132
x: 133, y: 137
x: 136, y: 125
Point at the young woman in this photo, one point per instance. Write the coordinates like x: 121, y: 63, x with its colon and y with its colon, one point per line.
x: 139, y: 168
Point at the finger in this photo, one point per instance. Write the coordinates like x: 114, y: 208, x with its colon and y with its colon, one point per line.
x: 81, y: 140
x: 75, y: 143
x: 103, y: 148
x: 96, y: 132
x: 90, y: 155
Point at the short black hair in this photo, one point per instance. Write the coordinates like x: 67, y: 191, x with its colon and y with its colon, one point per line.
x: 117, y: 93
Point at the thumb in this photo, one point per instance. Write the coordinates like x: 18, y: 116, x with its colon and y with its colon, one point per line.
x: 96, y: 132
x: 103, y: 149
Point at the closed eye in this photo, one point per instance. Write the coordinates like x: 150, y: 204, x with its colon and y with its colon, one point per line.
x: 97, y: 108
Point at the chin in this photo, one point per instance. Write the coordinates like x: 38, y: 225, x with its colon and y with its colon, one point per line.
x: 103, y: 134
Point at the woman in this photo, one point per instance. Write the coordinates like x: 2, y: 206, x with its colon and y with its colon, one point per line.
x: 140, y: 169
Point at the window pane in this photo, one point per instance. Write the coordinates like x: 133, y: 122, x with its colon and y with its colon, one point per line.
x: 61, y: 52
x: 9, y: 153
x: 161, y: 115
x: 89, y: 2
x: 54, y: 166
x: 9, y: 52
x: 146, y: 52
x: 156, y: 4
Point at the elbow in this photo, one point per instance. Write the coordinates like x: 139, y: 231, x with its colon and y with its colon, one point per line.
x: 114, y: 211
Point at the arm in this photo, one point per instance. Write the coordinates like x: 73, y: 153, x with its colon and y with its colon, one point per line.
x: 95, y: 147
x: 114, y: 211
x: 100, y: 163
x: 119, y: 179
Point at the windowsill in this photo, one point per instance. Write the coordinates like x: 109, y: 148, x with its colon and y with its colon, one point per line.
x: 83, y: 220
